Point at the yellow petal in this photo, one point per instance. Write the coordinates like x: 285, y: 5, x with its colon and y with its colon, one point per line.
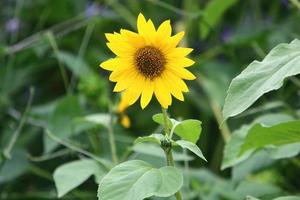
x: 161, y: 93
x: 172, y: 42
x: 179, y: 52
x: 141, y: 24
x: 132, y: 94
x: 181, y: 72
x: 147, y: 93
x: 116, y: 64
x: 117, y: 75
x: 180, y: 62
x: 164, y: 30
x: 177, y: 81
x: 120, y: 51
x: 172, y: 87
x: 136, y: 40
x: 151, y: 26
x: 124, y: 82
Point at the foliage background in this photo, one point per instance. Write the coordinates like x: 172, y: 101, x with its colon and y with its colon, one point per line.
x: 43, y: 41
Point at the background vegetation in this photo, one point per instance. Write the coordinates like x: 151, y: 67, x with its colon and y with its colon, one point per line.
x: 56, y: 104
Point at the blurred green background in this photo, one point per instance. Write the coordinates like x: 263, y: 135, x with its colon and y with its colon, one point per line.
x: 50, y: 51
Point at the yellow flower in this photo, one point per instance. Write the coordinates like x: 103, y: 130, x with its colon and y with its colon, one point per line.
x: 148, y: 62
x: 124, y: 119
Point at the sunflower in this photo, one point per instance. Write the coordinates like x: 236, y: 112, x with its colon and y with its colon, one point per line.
x: 148, y: 63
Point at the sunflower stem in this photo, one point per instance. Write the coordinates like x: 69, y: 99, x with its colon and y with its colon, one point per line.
x: 168, y: 148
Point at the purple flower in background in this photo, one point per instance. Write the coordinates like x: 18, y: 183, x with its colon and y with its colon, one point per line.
x: 226, y: 34
x: 285, y: 3
x: 92, y: 9
x: 12, y: 25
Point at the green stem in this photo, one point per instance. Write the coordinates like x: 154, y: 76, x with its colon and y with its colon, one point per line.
x: 224, y: 129
x: 62, y: 69
x: 8, y: 149
x: 165, y: 116
x: 101, y: 161
x: 111, y: 138
x: 168, y: 150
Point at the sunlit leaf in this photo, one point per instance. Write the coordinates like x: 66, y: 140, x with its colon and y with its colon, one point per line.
x: 189, y: 130
x: 262, y: 77
x: 260, y: 136
x: 136, y: 180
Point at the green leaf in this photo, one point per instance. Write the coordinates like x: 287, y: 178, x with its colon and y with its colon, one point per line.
x: 262, y: 77
x: 189, y: 130
x: 99, y: 118
x: 232, y: 148
x: 288, y: 198
x: 155, y: 138
x: 14, y: 167
x: 70, y: 175
x: 136, y: 180
x: 284, y: 151
x: 159, y: 118
x: 213, y: 13
x: 260, y: 136
x: 76, y: 64
x: 192, y: 147
x: 154, y: 150
x: 61, y: 120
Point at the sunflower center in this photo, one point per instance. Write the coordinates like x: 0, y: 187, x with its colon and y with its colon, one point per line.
x: 150, y: 61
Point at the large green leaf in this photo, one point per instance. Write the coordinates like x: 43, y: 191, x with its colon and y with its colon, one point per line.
x: 213, y: 12
x: 278, y: 198
x: 70, y: 175
x: 136, y: 180
x: 192, y: 147
x: 260, y: 136
x: 262, y: 77
x: 233, y: 146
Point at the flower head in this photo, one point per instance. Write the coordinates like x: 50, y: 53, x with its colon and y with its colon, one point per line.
x: 148, y: 62
x: 12, y: 25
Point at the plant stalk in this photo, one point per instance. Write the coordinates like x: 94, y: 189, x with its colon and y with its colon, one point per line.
x: 111, y: 138
x: 168, y: 150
